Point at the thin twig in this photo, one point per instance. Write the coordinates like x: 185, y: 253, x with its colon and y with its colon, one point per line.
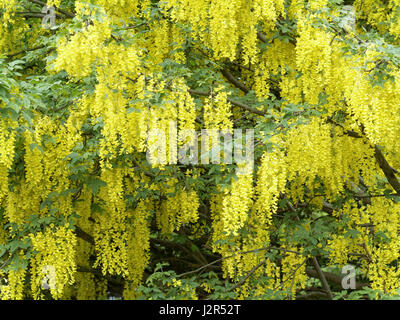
x: 234, y: 255
x: 243, y: 280
x: 293, y: 273
x: 6, y: 262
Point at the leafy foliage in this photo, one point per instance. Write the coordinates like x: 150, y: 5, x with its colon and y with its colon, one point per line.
x: 86, y: 214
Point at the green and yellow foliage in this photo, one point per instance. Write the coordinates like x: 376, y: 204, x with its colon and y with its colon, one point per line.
x: 84, y: 215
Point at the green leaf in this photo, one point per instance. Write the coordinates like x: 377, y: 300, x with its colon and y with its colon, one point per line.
x: 95, y: 184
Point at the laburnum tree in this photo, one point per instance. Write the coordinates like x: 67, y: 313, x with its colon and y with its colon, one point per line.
x: 85, y: 215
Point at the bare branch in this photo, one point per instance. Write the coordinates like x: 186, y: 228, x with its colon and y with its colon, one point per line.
x: 322, y: 277
x: 243, y: 280
x: 84, y: 235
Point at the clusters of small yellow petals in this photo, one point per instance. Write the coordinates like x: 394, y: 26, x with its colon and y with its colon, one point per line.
x: 12, y: 28
x: 181, y: 208
x: 14, y: 289
x: 120, y: 8
x: 223, y: 24
x: 312, y: 152
x: 378, y: 244
x: 55, y: 260
x: 55, y: 3
x: 217, y: 111
x: 110, y: 229
x: 185, y: 292
x: 293, y: 271
x: 374, y: 11
x: 271, y: 182
x: 132, y: 97
x: 313, y: 59
x: 236, y: 204
x: 7, y: 141
x: 273, y: 62
x: 138, y: 248
x: 77, y: 55
x: 376, y: 108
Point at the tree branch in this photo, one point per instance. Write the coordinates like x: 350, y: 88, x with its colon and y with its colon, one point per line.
x: 261, y: 37
x: 387, y: 170
x: 233, y: 102
x: 243, y: 280
x: 322, y: 277
x: 292, y: 274
x: 84, y: 235
x: 331, y: 277
x: 346, y: 132
x: 234, y: 255
x: 229, y: 76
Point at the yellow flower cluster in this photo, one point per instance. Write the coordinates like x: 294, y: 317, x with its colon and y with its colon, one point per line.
x: 45, y: 171
x: 77, y: 55
x: 120, y: 8
x: 374, y: 11
x: 223, y: 24
x: 273, y: 62
x: 181, y: 208
x: 138, y: 247
x: 217, y: 111
x: 294, y: 272
x: 313, y: 59
x: 7, y: 141
x: 313, y: 152
x: 12, y: 27
x: 55, y: 3
x: 230, y: 212
x: 185, y: 290
x: 271, y: 182
x: 14, y: 289
x: 377, y: 242
x: 185, y: 105
x: 376, y: 107
x: 161, y: 39
x: 55, y: 260
x: 236, y: 204
x: 110, y: 233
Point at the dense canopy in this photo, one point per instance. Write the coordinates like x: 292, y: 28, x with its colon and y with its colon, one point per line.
x: 91, y: 209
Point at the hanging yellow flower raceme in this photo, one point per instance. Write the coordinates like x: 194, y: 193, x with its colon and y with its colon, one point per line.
x: 54, y: 265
